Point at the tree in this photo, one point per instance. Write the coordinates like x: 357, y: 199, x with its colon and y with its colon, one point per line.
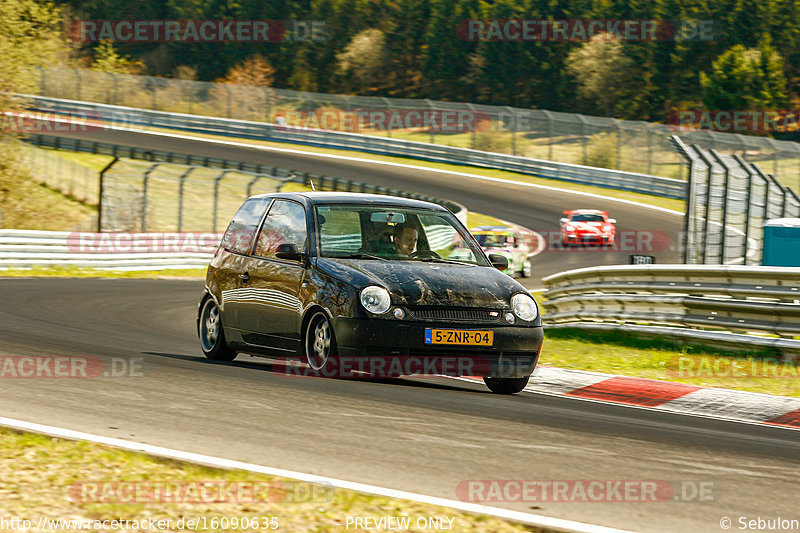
x: 30, y: 36
x: 106, y: 59
x: 602, y: 72
x: 362, y: 59
x: 745, y: 79
x: 255, y: 70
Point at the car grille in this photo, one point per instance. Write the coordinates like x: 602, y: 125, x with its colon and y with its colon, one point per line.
x: 455, y: 313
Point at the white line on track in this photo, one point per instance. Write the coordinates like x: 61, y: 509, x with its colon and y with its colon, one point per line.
x: 508, y: 514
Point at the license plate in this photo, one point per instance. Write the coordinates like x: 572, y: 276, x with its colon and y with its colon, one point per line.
x: 459, y: 337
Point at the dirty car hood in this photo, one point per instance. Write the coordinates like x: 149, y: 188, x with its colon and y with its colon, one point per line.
x: 420, y: 283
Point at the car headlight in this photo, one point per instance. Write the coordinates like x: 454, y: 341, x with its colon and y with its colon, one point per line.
x: 569, y: 228
x: 375, y: 299
x: 524, y: 307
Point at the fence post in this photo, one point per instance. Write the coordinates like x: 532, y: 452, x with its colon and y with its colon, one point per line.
x: 748, y: 211
x: 724, y: 204
x: 649, y: 151
x: 100, y: 193
x: 216, y: 196
x: 181, y: 184
x: 708, y: 198
x: 144, y: 194
x: 513, y: 115
x: 619, y: 145
x: 42, y: 81
x: 78, y: 81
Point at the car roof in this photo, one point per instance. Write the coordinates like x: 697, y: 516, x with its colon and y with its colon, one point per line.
x: 586, y: 212
x: 323, y: 197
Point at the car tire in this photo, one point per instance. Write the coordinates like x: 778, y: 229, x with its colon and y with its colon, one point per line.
x: 212, y: 337
x: 319, y: 343
x: 506, y: 385
x: 527, y: 268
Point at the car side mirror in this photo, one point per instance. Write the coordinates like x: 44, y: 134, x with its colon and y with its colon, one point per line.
x: 612, y: 220
x: 563, y: 220
x: 498, y: 261
x: 288, y: 251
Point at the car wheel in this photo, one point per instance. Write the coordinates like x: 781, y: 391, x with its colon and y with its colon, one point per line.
x: 506, y: 385
x: 212, y: 338
x: 319, y: 343
x: 527, y: 268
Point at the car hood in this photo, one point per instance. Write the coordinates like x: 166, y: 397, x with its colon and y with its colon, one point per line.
x: 420, y: 283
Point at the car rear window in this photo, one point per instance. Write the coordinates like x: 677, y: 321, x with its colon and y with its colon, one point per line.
x: 239, y: 236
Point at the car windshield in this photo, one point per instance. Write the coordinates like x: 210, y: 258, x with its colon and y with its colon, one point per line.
x: 393, y: 233
x: 587, y: 218
x: 491, y: 240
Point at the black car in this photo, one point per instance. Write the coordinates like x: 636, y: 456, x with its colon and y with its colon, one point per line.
x: 331, y: 276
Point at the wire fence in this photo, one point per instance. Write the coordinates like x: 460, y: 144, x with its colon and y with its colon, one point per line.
x: 632, y: 146
x: 65, y: 175
x: 729, y: 200
x: 139, y: 196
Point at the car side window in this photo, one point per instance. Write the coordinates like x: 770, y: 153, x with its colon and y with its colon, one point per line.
x: 238, y: 237
x: 285, y: 224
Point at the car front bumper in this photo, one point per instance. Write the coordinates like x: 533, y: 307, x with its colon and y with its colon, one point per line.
x: 514, y: 351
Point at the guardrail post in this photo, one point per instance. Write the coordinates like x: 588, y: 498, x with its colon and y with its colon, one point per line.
x: 251, y: 184
x: 101, y: 182
x: 649, y: 151
x: 146, y: 179
x: 181, y: 184
x: 78, y: 81
x: 619, y: 145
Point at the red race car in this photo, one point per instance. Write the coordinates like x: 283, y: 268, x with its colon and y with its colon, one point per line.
x: 587, y: 226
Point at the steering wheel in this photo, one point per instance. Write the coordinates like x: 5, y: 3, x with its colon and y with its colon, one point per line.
x: 424, y: 253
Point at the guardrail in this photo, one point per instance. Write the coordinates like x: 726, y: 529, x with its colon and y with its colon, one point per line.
x: 714, y: 304
x: 28, y: 248
x: 600, y: 177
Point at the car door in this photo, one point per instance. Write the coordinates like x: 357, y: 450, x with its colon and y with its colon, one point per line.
x: 272, y: 314
x: 230, y: 260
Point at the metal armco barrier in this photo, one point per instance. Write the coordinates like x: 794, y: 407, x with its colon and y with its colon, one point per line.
x: 720, y: 305
x: 600, y: 177
x: 135, y: 251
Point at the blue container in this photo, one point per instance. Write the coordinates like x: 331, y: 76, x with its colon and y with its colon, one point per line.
x: 781, y: 242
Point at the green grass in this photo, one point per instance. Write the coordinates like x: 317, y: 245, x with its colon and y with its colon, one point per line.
x: 670, y: 360
x: 51, y: 477
x: 26, y: 204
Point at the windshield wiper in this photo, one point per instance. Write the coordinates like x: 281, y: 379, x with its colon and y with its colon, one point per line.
x: 441, y: 260
x: 362, y: 255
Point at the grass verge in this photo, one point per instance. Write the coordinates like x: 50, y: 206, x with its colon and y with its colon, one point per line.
x: 670, y: 360
x: 58, y: 478
x: 29, y: 205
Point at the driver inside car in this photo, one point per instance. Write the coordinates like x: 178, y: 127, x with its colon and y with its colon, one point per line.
x: 405, y: 240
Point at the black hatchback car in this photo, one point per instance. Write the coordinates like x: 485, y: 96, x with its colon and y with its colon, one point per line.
x: 329, y: 276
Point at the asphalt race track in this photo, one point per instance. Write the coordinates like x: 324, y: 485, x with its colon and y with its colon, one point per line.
x: 422, y: 435
x: 535, y: 208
